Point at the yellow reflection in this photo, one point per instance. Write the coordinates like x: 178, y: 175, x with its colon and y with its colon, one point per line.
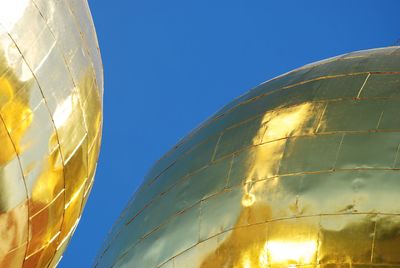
x: 291, y: 252
x: 50, y: 180
x: 274, y: 127
x: 246, y: 262
x: 6, y: 90
x: 286, y: 122
x: 16, y: 116
x: 263, y: 258
x: 243, y: 247
x: 248, y: 199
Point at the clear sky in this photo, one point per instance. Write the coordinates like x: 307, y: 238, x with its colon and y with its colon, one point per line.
x: 169, y: 65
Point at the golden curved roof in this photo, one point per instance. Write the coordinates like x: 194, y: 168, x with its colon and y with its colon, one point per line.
x: 51, y: 87
x: 301, y: 171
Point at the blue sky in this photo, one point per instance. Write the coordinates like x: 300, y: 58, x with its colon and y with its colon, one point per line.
x: 169, y: 65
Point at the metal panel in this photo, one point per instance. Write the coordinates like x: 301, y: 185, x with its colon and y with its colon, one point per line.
x: 50, y: 125
x: 301, y: 171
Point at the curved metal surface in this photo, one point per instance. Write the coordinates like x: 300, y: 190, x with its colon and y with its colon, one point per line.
x: 301, y: 171
x: 51, y: 86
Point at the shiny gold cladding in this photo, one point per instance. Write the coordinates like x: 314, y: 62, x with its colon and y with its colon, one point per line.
x: 51, y: 86
x: 302, y: 171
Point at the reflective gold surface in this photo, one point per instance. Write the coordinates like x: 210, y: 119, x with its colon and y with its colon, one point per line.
x: 51, y: 86
x: 302, y: 171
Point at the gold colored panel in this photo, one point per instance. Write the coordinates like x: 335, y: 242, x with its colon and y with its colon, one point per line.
x: 80, y: 11
x: 71, y: 214
x: 62, y: 25
x: 241, y: 247
x: 87, y: 189
x: 387, y: 240
x: 346, y: 238
x: 339, y: 265
x: 36, y: 45
x: 57, y: 86
x: 42, y: 172
x: 72, y: 133
x: 293, y: 242
x: 91, y: 104
x: 76, y: 172
x: 94, y: 143
x: 59, y: 252
x: 28, y: 15
x: 80, y: 66
x: 40, y: 258
x: 195, y: 256
x: 13, y: 228
x: 257, y: 163
x: 297, y: 120
x: 14, y: 258
x: 12, y: 185
x: 48, y: 184
x: 8, y: 151
x: 224, y: 208
x: 46, y: 224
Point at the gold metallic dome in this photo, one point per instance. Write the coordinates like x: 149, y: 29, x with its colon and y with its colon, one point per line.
x: 51, y: 86
x: 302, y: 171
